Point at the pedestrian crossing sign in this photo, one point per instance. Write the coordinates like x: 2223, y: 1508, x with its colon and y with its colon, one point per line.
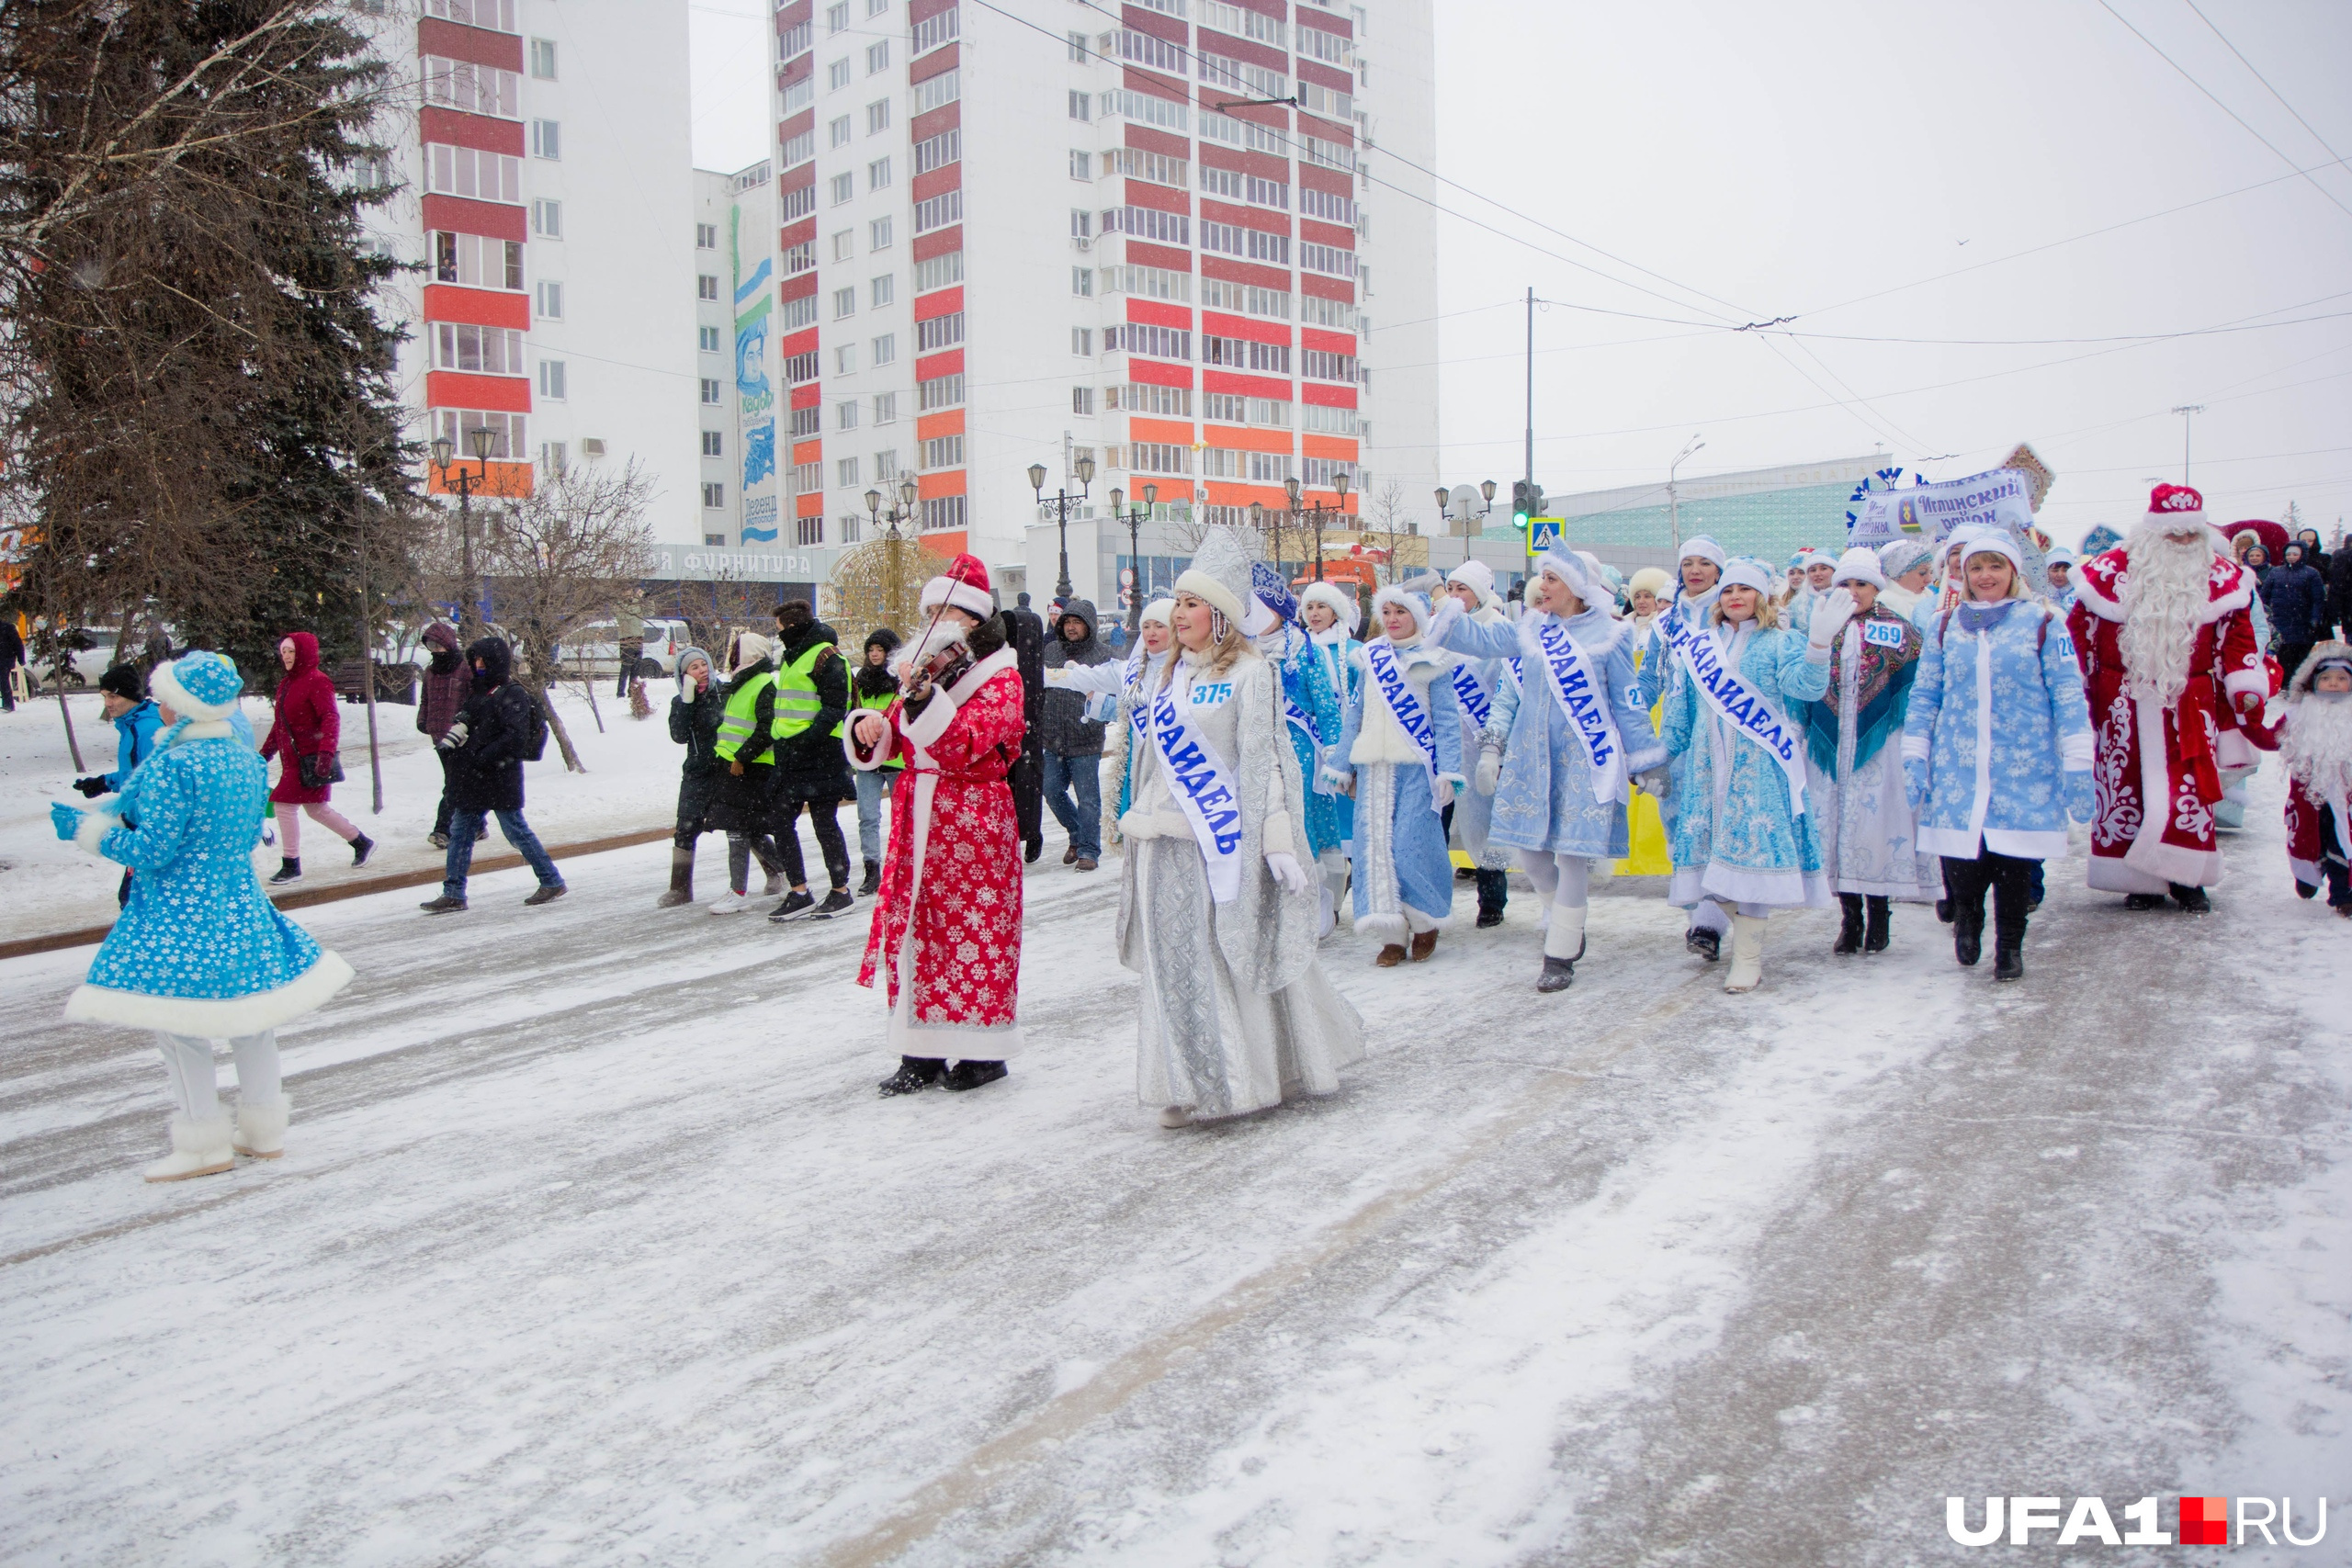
x: 1542, y: 533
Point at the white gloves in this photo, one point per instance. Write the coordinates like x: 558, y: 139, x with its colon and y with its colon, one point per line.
x: 1657, y: 783
x: 1830, y: 614
x: 1490, y: 770
x: 1449, y: 612
x: 1442, y: 792
x: 1287, y: 870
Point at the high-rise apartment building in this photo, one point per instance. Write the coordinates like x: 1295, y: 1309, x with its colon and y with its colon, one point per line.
x: 1144, y: 234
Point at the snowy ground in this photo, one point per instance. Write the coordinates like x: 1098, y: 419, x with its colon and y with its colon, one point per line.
x: 593, y: 1245
x: 45, y: 886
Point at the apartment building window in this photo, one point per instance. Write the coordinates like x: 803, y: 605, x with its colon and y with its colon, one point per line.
x: 1081, y: 282
x: 845, y: 414
x: 837, y: 74
x: 494, y: 351
x: 1254, y: 245
x: 551, y: 379
x: 876, y: 7
x: 800, y: 148
x: 1318, y: 366
x: 1333, y: 421
x: 801, y: 94
x: 1156, y: 458
x: 877, y: 57
x: 1140, y: 397
x: 809, y: 531
x: 1082, y: 399
x: 1226, y: 183
x: 944, y: 452
x: 844, y: 244
x: 938, y: 152
x: 845, y: 472
x: 1082, y: 340
x: 807, y: 477
x: 837, y: 131
x: 714, y: 443
x: 939, y: 272
x: 806, y: 422
x: 882, y: 290
x: 1161, y: 342
x: 710, y: 391
x: 706, y: 236
x: 707, y: 339
x: 547, y: 139
x: 550, y: 300
x: 1157, y: 168
x: 886, y: 349
x: 1242, y: 354
x: 1245, y: 298
x: 1081, y: 223
x: 877, y: 116
x: 939, y: 392
x: 1266, y: 192
x: 1082, y: 105
x: 794, y: 41
x: 714, y: 495
x: 505, y: 429
x: 844, y: 302
x: 885, y: 411
x: 1323, y: 203
x: 477, y: 261
x: 372, y: 171
x: 849, y: 525
x: 495, y: 14
x: 843, y: 186
x: 473, y: 89
x: 837, y: 17
x: 466, y: 171
x: 878, y: 234
x: 941, y: 210
x: 546, y: 218
x: 800, y: 369
x: 940, y: 332
x: 877, y: 173
x: 799, y: 258
x: 1082, y: 164
x: 797, y: 202
x: 934, y: 91
x: 845, y: 360
x: 705, y: 285
x: 934, y: 30
x: 1325, y: 312
x: 1320, y: 472
x: 1152, y: 282
x: 885, y: 466
x: 1150, y: 223
x: 944, y: 512
x: 1327, y: 259
x: 1224, y: 408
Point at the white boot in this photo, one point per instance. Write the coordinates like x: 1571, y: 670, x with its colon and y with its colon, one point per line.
x: 1746, y: 954
x: 1175, y: 1116
x: 261, y: 1128
x: 1327, y: 913
x: 198, y: 1148
x: 1563, y: 932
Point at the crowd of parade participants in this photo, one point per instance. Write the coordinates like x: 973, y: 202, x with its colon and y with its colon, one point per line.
x: 1914, y: 727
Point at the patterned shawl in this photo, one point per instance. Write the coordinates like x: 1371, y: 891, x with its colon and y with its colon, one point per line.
x: 1882, y: 694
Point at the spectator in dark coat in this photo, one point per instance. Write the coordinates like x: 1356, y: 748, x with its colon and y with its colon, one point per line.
x: 1028, y: 776
x: 497, y: 729
x: 811, y: 769
x: 2316, y: 555
x: 306, y: 737
x: 2339, y: 587
x: 1072, y: 743
x: 11, y: 653
x: 694, y: 713
x: 2296, y: 596
x: 439, y: 695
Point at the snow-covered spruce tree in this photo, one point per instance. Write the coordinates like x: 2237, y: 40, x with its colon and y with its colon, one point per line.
x: 196, y: 392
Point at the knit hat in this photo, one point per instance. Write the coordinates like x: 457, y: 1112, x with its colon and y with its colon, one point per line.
x: 686, y: 656
x: 200, y: 685
x: 882, y: 637
x: 1899, y: 556
x: 1340, y: 603
x: 1750, y: 572
x: 1704, y: 548
x: 1163, y: 610
x: 122, y: 681
x: 1219, y: 575
x: 751, y: 649
x: 1272, y: 602
x: 1992, y: 541
x: 964, y: 585
x: 1392, y: 594
x: 1859, y: 565
x: 1477, y: 576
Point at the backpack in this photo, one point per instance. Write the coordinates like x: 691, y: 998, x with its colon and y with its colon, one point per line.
x: 534, y: 733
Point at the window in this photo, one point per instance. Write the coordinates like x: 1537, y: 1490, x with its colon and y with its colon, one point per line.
x: 800, y: 95
x: 1256, y: 244
x: 799, y: 149
x: 1318, y: 473
x: 475, y: 89
x: 1222, y: 182
x: 505, y: 429
x: 707, y: 339
x: 706, y: 236
x: 1082, y: 105
x: 1330, y: 155
x: 1269, y: 411
x: 837, y: 74
x: 1266, y: 192
x: 477, y: 261
x: 1082, y: 164
x: 554, y: 456
x: 1139, y: 396
x: 1318, y: 366
x: 714, y: 443
x: 1150, y: 109
x: 808, y: 530
x: 942, y: 513
x: 876, y: 7
x: 547, y: 217
x: 1327, y: 259
x: 878, y: 234
x: 1077, y: 53
x: 372, y: 171
x: 807, y: 477
x: 547, y: 139
x: 837, y: 132
x: 843, y: 187
x: 845, y: 244
x: 797, y: 202
x: 877, y: 173
x: 1325, y: 312
x: 934, y: 91
x: 845, y: 359
x: 885, y: 411
x: 1252, y: 81
x: 1153, y: 282
x: 882, y: 290
x: 1243, y: 354
x: 550, y: 300
x: 1245, y: 298
x: 802, y: 367
x: 1161, y: 342
x: 1150, y: 223
x: 944, y: 452
x: 714, y: 495
x: 710, y: 391
x: 551, y: 379
x: 1082, y: 281
x: 464, y: 170
x: 845, y: 414
x: 1082, y: 223
x: 938, y: 152
x: 1156, y: 167
x: 496, y: 351
x: 705, y: 287
x: 1082, y: 399
x: 850, y: 529
x: 1241, y: 23
x: 804, y: 422
x: 934, y: 31
x: 885, y: 466
x: 1157, y: 458
x: 940, y: 332
x: 799, y: 258
x: 1082, y: 340
x: 837, y: 17
x: 884, y: 349
x: 877, y: 116
x: 1143, y: 49
x: 1323, y: 203
x: 1315, y: 43
x: 877, y: 56
x: 1334, y: 422
x: 846, y: 472
x: 940, y: 392
x: 939, y: 272
x: 1226, y: 408
x: 941, y: 210
x: 794, y: 41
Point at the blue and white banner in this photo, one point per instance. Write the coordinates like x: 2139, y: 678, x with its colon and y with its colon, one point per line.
x: 2000, y: 498
x: 1472, y: 696
x: 1201, y: 787
x: 1388, y: 676
x: 1735, y: 703
x: 1583, y: 699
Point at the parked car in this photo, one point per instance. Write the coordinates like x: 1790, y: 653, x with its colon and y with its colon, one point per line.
x: 598, y: 647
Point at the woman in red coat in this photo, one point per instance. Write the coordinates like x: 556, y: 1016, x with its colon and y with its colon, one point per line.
x: 306, y: 738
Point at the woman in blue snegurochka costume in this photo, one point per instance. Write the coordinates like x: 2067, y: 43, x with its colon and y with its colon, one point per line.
x: 1560, y: 780
x: 1470, y: 594
x: 199, y: 954
x: 1311, y: 712
x: 1332, y: 616
x: 1697, y: 578
x: 1743, y: 838
x: 1400, y: 751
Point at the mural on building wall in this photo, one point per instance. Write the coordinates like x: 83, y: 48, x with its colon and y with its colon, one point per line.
x: 755, y: 394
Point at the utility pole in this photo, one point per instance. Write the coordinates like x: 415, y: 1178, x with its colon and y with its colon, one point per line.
x: 1674, y: 501
x: 2187, y: 411
x: 1528, y: 537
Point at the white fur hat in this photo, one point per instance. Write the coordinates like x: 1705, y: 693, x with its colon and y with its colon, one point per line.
x: 1340, y: 603
x: 1574, y: 569
x: 1860, y: 564
x: 1705, y: 549
x: 1993, y: 541
x: 1392, y: 594
x: 1159, y: 610
x: 1477, y: 576
x: 1748, y: 571
x: 1219, y: 574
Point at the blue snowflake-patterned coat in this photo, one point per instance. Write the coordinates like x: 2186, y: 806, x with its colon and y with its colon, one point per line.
x: 1544, y: 798
x: 1736, y: 837
x: 1651, y: 681
x: 198, y: 950
x: 1306, y: 683
x: 1998, y: 743
x: 1336, y: 651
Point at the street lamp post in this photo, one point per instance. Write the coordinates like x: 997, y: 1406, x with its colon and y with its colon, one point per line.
x: 1063, y: 501
x: 1319, y: 516
x: 478, y: 441
x: 894, y: 543
x: 1674, y: 499
x: 2188, y: 413
x: 1133, y: 519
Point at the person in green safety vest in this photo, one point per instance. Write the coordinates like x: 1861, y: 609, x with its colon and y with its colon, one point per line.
x: 874, y: 686
x: 746, y: 750
x: 811, y: 701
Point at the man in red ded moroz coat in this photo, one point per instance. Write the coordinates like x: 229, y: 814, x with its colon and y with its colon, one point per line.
x: 2170, y: 663
x: 946, y: 934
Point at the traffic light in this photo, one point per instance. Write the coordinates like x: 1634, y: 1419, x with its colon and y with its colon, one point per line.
x: 1522, y: 505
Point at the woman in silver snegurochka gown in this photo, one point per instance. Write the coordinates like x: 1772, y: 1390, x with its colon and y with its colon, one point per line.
x: 1237, y: 1013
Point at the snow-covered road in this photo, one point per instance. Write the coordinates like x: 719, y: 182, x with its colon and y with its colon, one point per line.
x: 594, y: 1245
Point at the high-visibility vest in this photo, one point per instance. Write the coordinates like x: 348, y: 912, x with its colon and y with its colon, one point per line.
x: 740, y: 720
x: 879, y: 703
x: 795, y: 694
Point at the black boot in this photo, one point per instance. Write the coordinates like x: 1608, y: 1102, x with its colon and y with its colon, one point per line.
x: 972, y: 1074
x: 873, y: 882
x: 914, y: 1073
x: 1704, y: 940
x: 289, y: 869
x: 1881, y: 919
x: 2144, y: 900
x: 1967, y: 933
x: 1849, y: 929
x: 1558, y: 975
x: 681, y: 879
x: 2012, y: 900
x: 2192, y: 899
x: 361, y: 848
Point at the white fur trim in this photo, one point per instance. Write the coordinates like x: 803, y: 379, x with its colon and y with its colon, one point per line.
x: 882, y: 754
x: 166, y: 690
x: 2239, y: 681
x: 96, y: 825
x: 2093, y: 596
x: 2074, y: 752
x: 1389, y: 930
x: 1208, y: 590
x: 212, y: 1018
x: 1392, y: 594
x: 1340, y: 604
x: 926, y: 727
x: 1277, y: 836
x: 943, y: 589
x: 207, y: 729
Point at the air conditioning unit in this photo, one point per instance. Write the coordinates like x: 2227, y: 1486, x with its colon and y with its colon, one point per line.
x: 1082, y: 243
x: 591, y: 447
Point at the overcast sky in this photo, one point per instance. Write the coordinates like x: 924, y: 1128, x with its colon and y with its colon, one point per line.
x: 1871, y: 170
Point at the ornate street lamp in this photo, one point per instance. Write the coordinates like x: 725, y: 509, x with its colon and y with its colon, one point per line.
x: 1063, y: 501
x: 479, y: 440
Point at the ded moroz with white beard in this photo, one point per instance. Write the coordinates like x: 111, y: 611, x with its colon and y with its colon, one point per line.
x: 2171, y: 669
x: 2317, y: 749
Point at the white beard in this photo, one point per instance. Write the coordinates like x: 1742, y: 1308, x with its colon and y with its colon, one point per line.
x: 2165, y: 598
x: 942, y: 635
x: 2318, y: 745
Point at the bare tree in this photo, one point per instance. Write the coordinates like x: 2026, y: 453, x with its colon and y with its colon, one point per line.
x: 1387, y: 521
x: 560, y: 558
